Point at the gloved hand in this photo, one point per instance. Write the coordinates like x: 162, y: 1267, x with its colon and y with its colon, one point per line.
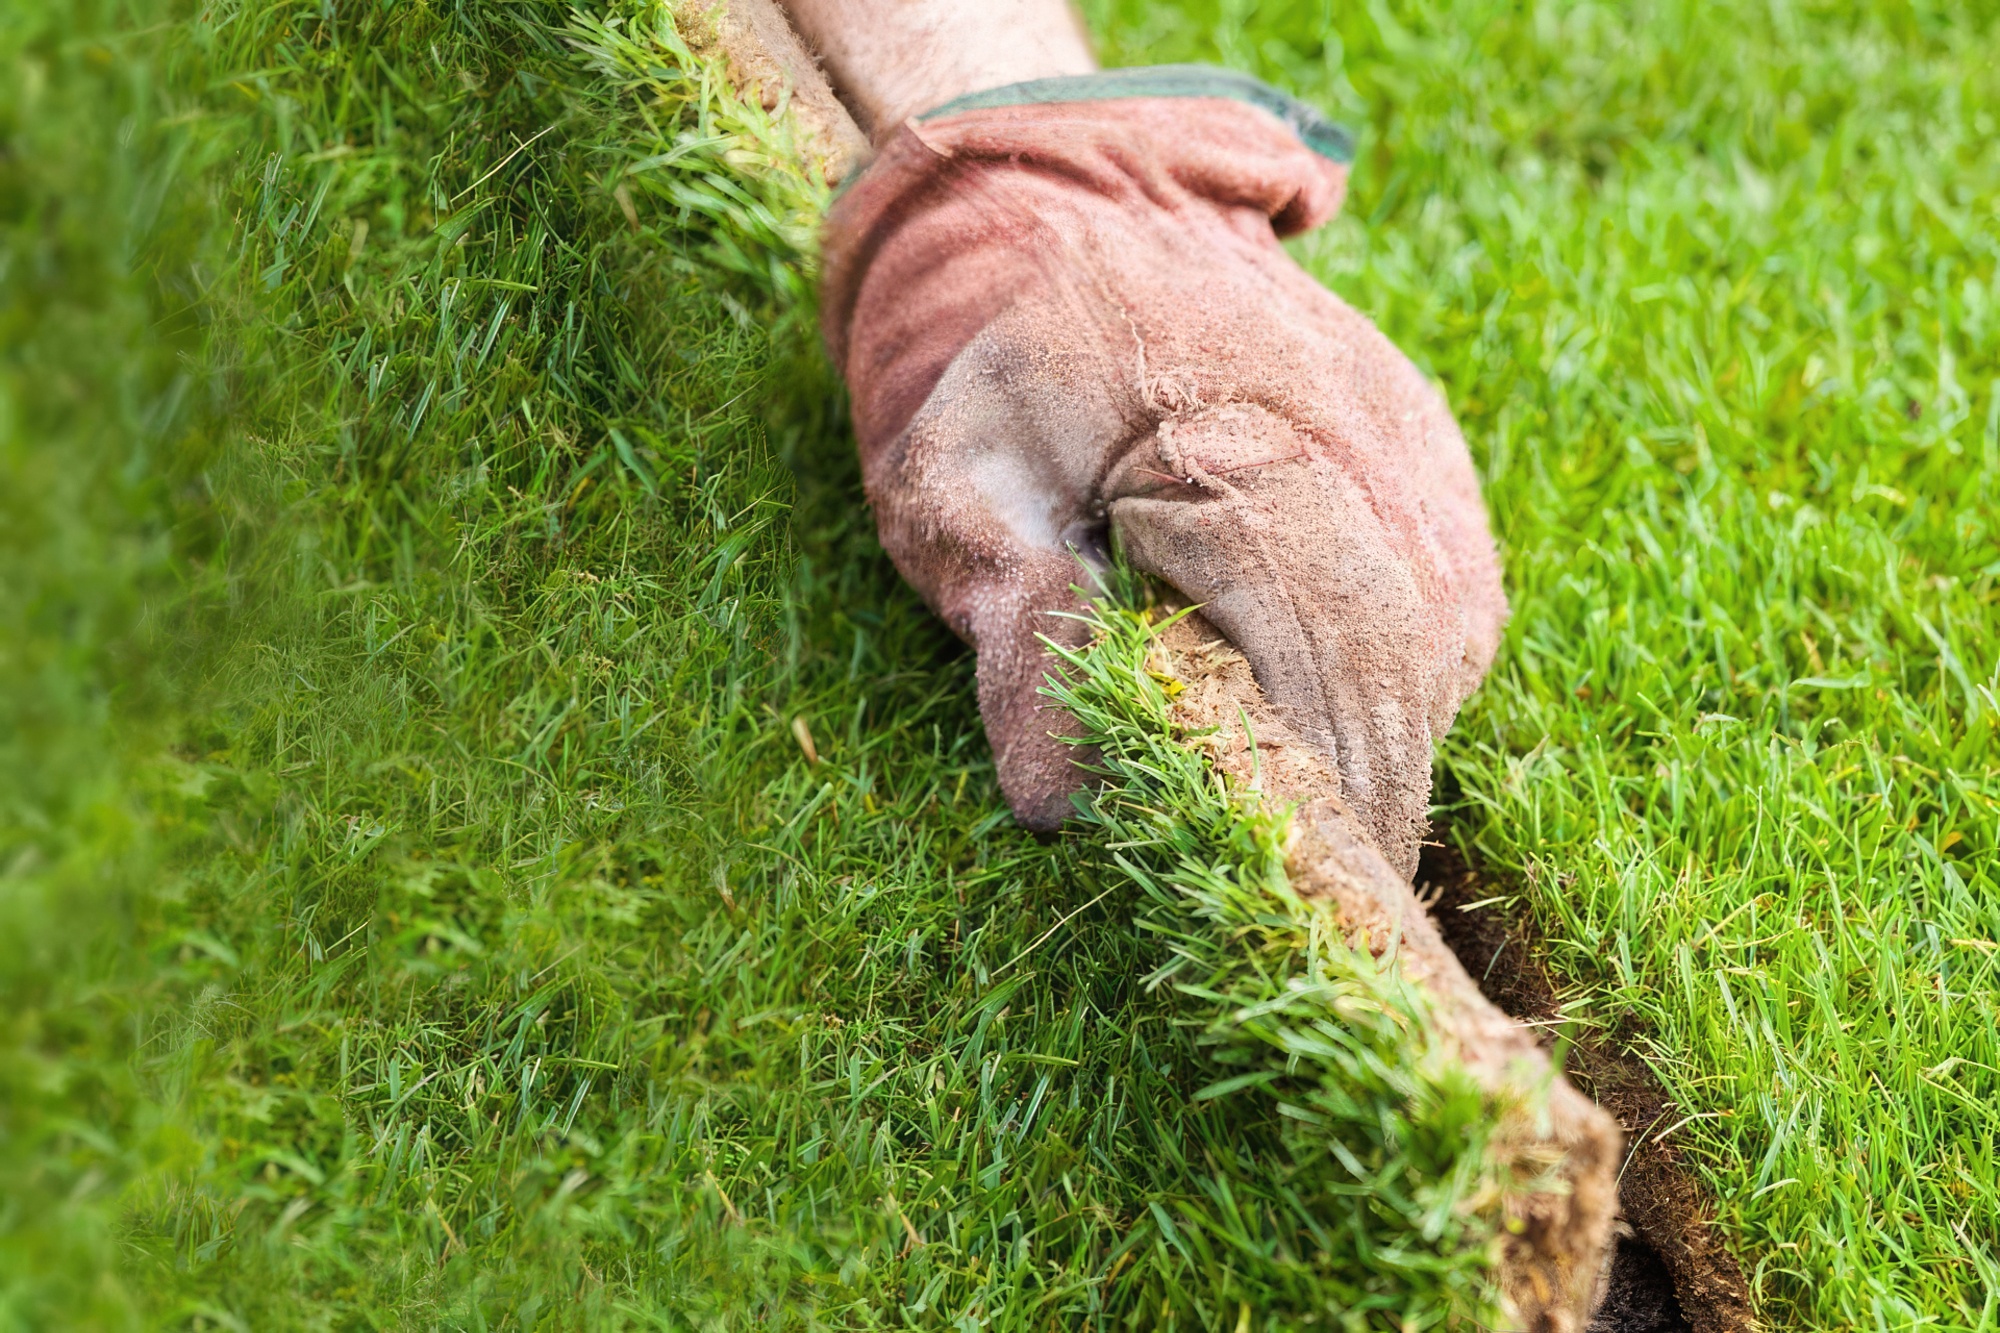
x: 1069, y: 316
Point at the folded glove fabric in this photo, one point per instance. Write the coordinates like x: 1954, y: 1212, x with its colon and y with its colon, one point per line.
x: 1063, y: 312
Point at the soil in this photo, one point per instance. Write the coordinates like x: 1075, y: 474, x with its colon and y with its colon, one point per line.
x: 1639, y: 1297
x: 1674, y: 1273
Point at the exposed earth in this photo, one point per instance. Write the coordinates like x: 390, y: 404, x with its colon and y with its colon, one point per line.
x: 1674, y: 1271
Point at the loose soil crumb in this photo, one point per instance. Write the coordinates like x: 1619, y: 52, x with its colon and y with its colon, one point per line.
x: 1664, y: 1204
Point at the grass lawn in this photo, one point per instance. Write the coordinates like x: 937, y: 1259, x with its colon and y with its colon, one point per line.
x: 429, y: 546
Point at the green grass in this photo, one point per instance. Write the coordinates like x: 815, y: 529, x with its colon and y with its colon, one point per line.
x: 418, y: 909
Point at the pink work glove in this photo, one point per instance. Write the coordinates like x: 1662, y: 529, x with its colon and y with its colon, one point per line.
x: 1070, y: 315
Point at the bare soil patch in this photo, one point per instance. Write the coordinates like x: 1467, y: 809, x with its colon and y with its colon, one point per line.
x: 1674, y: 1272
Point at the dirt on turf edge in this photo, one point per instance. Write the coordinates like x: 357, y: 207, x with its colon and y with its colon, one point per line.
x: 1674, y: 1273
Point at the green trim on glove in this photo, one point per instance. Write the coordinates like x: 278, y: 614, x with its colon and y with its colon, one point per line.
x: 1315, y: 131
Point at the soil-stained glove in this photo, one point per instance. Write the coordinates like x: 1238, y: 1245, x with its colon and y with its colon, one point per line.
x: 1062, y: 309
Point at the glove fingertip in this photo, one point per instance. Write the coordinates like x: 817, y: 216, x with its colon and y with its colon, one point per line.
x: 1042, y: 811
x: 1038, y: 770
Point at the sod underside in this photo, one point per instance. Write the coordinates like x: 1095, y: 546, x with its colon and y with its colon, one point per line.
x: 424, y: 519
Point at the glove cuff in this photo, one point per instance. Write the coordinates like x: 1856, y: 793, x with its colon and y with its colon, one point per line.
x: 1332, y: 142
